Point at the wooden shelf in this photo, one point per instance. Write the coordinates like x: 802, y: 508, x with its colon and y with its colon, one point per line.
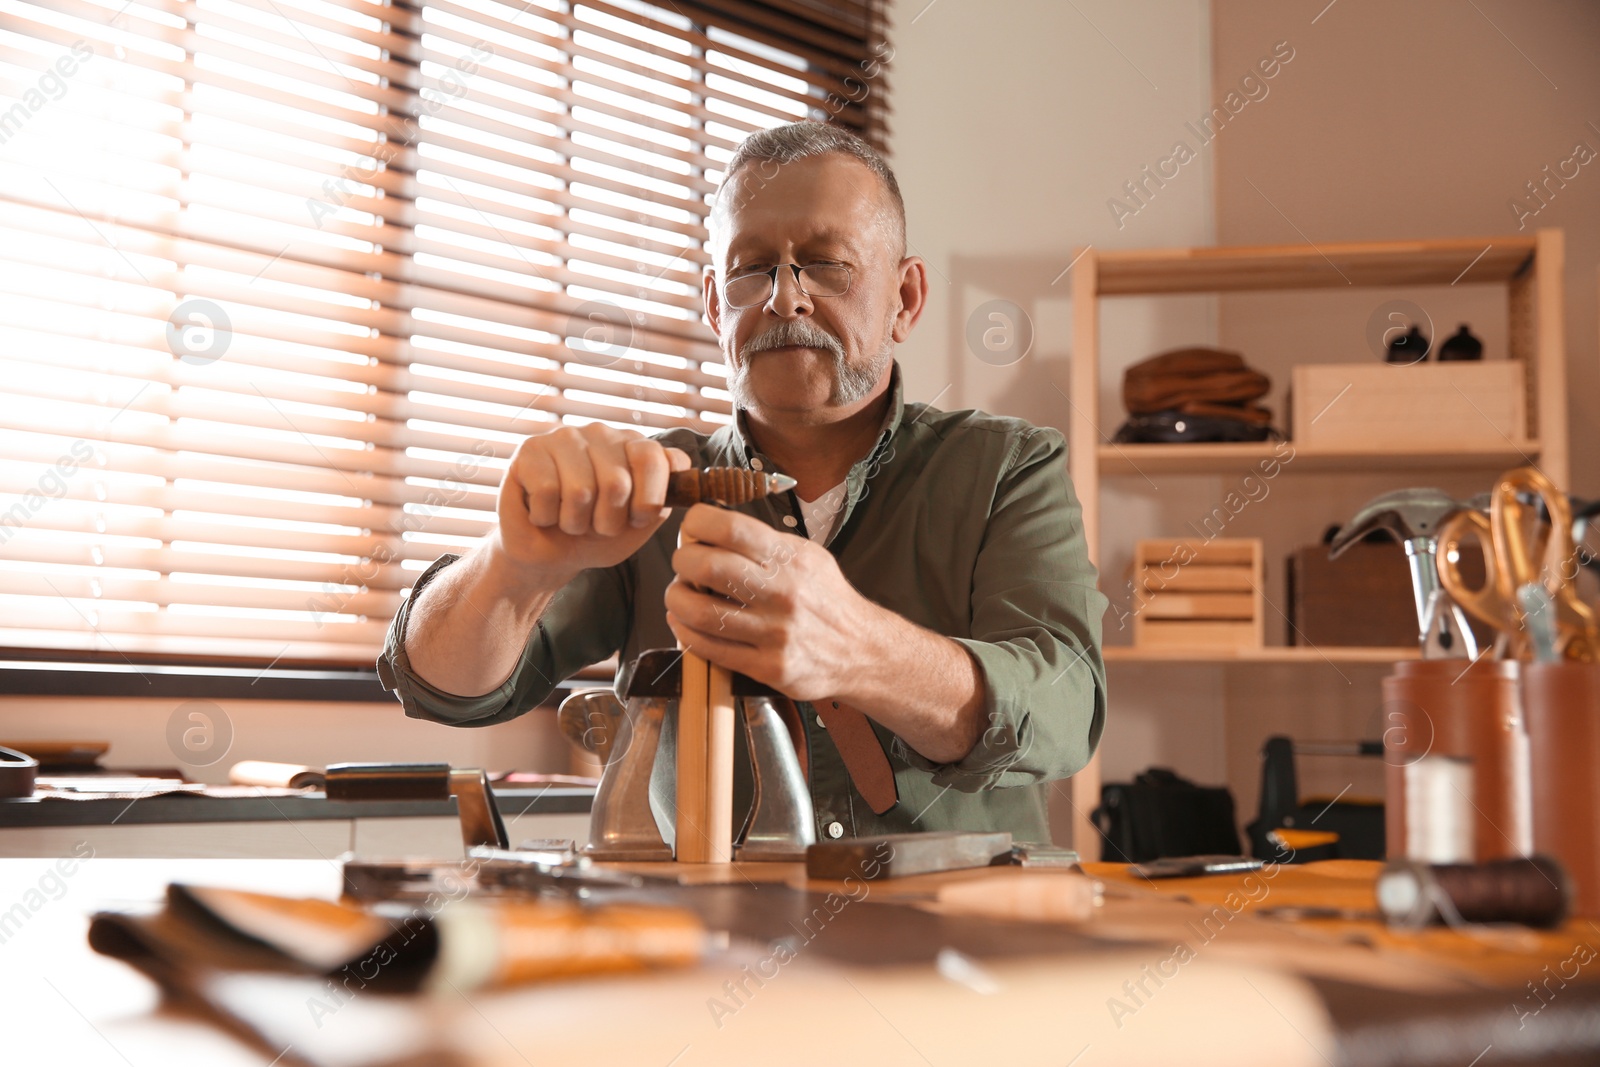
x: 1240, y: 458
x: 1345, y: 264
x: 1528, y: 267
x: 1268, y: 654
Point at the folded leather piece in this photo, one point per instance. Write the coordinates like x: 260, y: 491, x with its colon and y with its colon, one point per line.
x: 1251, y: 413
x: 508, y: 940
x: 1191, y: 375
x: 207, y: 944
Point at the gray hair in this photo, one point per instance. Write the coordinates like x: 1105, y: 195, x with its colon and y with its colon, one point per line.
x: 802, y: 140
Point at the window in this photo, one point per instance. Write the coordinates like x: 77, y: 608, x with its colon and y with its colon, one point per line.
x: 282, y: 283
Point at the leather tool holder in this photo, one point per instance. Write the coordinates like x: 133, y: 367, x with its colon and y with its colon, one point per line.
x: 1561, y: 702
x: 18, y: 771
x: 1435, y: 707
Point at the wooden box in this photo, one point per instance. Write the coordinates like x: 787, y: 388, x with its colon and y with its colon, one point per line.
x: 1193, y: 593
x: 1364, y: 597
x: 1430, y: 406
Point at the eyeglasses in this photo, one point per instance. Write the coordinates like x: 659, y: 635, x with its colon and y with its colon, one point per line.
x: 755, y: 287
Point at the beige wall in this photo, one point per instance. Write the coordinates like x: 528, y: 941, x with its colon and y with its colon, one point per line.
x: 1416, y: 120
x: 1013, y: 126
x: 1408, y: 120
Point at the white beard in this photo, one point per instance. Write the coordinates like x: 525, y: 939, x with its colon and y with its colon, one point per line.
x: 850, y: 383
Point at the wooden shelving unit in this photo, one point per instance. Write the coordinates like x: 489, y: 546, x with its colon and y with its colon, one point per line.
x: 1117, y: 460
x: 1267, y: 654
x: 1529, y: 267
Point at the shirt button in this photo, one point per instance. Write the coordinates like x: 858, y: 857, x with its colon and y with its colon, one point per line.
x: 835, y: 830
x: 756, y: 464
x: 820, y: 724
x: 790, y: 521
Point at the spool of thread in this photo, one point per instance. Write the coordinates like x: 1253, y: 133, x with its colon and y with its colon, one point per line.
x: 1533, y: 892
x: 1439, y: 812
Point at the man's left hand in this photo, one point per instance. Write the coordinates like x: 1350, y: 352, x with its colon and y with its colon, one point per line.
x: 770, y: 605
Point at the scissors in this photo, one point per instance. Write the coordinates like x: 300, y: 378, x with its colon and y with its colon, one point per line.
x: 1519, y: 548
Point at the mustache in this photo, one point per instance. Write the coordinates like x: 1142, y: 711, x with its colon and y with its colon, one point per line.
x: 796, y: 332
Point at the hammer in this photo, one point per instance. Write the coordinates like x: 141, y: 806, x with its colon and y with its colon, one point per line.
x: 1413, y: 517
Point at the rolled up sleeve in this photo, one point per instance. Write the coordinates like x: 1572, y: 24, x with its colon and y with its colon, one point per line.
x: 585, y: 623
x: 1035, y: 633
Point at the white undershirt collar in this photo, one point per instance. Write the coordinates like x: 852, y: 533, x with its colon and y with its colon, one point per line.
x: 821, y: 514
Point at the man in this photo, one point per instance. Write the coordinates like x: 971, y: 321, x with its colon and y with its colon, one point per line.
x: 923, y: 592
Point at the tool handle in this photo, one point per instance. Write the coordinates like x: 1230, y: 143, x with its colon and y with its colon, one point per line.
x: 725, y: 486
x: 388, y: 781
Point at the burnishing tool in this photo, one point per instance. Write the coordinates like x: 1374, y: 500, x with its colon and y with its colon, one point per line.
x: 627, y: 735
x: 638, y: 811
x: 707, y: 714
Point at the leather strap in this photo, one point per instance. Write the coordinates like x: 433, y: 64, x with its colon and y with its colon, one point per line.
x: 17, y: 773
x: 863, y: 756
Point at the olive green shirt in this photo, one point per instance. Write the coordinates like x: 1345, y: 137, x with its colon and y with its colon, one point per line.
x: 962, y: 522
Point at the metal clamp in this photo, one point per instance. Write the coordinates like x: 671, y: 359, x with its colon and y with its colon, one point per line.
x: 781, y: 824
x: 627, y: 735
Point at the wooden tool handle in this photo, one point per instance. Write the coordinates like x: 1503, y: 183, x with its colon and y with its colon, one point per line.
x: 705, y: 760
x: 726, y: 486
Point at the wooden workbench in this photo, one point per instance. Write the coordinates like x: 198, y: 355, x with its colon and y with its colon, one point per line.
x: 878, y: 978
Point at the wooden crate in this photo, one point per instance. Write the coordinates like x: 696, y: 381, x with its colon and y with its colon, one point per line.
x: 1379, y: 406
x: 1364, y: 597
x: 1193, y: 593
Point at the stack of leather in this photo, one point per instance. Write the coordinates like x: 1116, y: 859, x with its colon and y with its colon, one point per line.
x: 1194, y: 394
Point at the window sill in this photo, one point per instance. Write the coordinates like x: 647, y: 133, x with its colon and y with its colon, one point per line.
x: 66, y: 678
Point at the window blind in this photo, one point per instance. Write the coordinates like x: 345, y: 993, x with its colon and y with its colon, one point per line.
x: 283, y: 283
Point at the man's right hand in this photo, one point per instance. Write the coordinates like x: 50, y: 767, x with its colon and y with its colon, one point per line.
x: 580, y: 497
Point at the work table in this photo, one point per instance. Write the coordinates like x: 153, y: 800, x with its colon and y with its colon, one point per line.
x: 1186, y: 970
x: 311, y: 804
x: 304, y: 826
